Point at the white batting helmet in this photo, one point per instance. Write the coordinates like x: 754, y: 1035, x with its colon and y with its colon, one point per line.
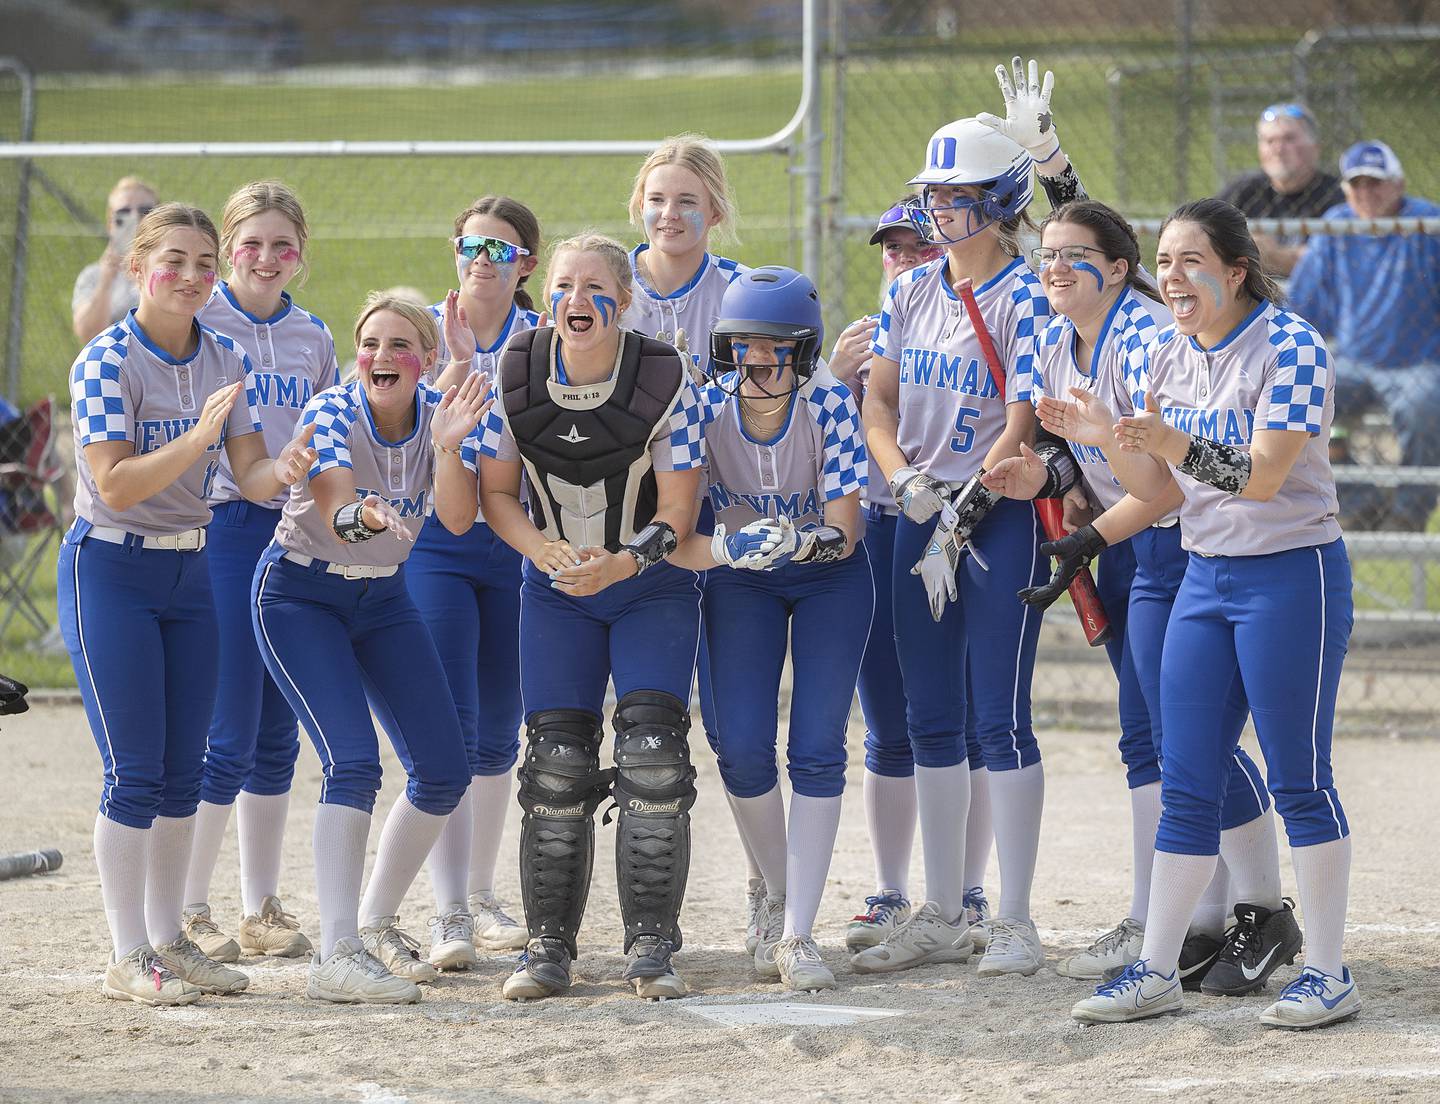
x: 969, y: 152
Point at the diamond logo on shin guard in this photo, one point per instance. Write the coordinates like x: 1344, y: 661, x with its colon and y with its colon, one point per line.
x: 635, y: 805
x: 559, y: 811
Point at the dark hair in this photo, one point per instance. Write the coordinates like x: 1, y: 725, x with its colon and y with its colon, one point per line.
x: 526, y: 225
x: 1229, y: 234
x: 1116, y: 237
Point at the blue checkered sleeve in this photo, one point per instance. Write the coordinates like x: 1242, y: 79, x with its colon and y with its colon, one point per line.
x: 97, y: 396
x: 886, y: 342
x: 686, y: 433
x: 333, y: 412
x: 846, y: 465
x: 1299, y: 378
x: 1052, y: 338
x: 493, y: 439
x: 1030, y: 314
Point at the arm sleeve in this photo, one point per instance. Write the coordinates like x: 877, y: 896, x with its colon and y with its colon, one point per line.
x: 1296, y: 381
x: 845, y: 464
x: 1063, y: 188
x: 101, y: 408
x: 680, y: 443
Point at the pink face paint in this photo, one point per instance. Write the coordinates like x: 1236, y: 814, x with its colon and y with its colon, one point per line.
x: 246, y: 254
x: 162, y: 276
x: 289, y: 255
x: 208, y: 276
x: 364, y: 359
x: 406, y: 362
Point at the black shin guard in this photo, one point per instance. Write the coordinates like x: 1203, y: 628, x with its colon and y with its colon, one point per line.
x: 561, y: 785
x: 654, y: 789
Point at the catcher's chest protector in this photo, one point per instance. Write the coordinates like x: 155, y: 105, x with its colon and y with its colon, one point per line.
x: 586, y: 448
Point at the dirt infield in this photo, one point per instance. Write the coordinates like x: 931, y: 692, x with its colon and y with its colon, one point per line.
x: 958, y: 1037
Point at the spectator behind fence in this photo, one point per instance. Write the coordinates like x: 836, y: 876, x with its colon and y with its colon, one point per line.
x: 1289, y: 183
x: 1376, y: 298
x: 104, y: 291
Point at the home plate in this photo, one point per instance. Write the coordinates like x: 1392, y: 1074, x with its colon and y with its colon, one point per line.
x: 803, y: 1015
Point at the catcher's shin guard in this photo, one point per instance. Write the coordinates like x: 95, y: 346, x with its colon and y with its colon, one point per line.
x: 561, y: 786
x: 654, y: 789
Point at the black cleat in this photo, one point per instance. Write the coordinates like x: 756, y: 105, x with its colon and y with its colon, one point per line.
x: 543, y: 971
x: 1196, y: 957
x: 1260, y: 943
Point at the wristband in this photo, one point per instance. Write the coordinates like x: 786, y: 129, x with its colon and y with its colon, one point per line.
x: 1224, y: 467
x: 651, y: 545
x: 1059, y: 469
x: 349, y: 524
x: 823, y: 544
x: 969, y: 507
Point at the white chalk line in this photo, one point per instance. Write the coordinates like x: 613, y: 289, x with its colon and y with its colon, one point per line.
x: 1293, y: 1076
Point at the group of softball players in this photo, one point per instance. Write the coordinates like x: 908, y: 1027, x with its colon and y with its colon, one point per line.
x: 658, y: 483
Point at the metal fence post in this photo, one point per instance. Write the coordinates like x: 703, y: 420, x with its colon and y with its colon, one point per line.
x: 15, y: 325
x: 812, y: 141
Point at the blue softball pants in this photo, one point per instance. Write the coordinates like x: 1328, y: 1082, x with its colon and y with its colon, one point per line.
x: 641, y: 633
x: 253, y: 740
x: 139, y: 624
x: 1139, y: 749
x: 820, y: 614
x: 880, y: 684
x: 1160, y: 569
x: 468, y: 591
x: 1281, y: 623
x: 998, y: 632
x: 341, y: 648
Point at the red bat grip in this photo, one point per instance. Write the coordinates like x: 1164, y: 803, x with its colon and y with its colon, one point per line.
x: 1083, y: 594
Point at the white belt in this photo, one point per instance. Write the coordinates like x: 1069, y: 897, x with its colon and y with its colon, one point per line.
x: 345, y: 571
x: 1166, y: 524
x: 192, y: 540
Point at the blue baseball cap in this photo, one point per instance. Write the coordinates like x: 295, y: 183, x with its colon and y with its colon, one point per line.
x: 905, y: 215
x: 1374, y: 159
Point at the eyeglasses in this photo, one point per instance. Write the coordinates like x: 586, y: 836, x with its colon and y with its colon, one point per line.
x: 499, y: 250
x: 1070, y: 254
x: 138, y: 212
x: 1287, y: 111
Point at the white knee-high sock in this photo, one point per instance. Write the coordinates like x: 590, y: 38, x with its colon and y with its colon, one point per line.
x: 405, y: 840
x: 1212, y: 914
x: 1144, y: 819
x: 1322, y: 875
x: 170, y: 839
x: 942, y: 796
x: 761, y: 821
x: 260, y: 824
x: 809, y: 844
x: 489, y: 804
x: 449, y: 863
x: 1018, y: 799
x: 1253, y: 856
x: 890, y: 816
x: 122, y: 856
x: 340, y: 836
x: 979, y: 829
x: 210, y: 823
x: 752, y: 864
x: 1176, y: 885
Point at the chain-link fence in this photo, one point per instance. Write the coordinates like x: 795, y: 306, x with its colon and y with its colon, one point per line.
x: 1155, y: 103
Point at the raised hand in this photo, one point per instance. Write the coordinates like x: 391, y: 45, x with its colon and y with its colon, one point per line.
x: 296, y: 458
x: 459, y: 338
x: 460, y: 411
x: 1086, y: 421
x: 1028, y: 121
x: 209, y: 427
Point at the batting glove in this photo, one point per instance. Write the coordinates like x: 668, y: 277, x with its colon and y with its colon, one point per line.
x: 938, y: 565
x: 751, y: 547
x: 1027, y: 121
x: 918, y: 496
x: 1072, y: 552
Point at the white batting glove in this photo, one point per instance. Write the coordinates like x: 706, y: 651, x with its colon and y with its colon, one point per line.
x: 918, y: 496
x: 753, y: 547
x: 1027, y: 121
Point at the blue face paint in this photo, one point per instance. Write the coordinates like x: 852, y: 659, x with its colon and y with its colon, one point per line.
x: 555, y: 297
x: 695, y: 220
x: 784, y: 354
x: 739, y: 350
x: 606, y: 306
x: 1210, y: 284
x: 1086, y: 266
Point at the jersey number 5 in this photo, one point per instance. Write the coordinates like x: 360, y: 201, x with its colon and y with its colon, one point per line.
x: 964, y: 431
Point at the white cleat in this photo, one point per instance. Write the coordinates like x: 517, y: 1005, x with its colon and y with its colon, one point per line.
x: 352, y: 975
x: 754, y: 902
x: 146, y: 978
x: 452, y: 941
x: 977, y: 915
x: 1114, y: 950
x: 884, y: 912
x: 925, y: 938
x: 1137, y: 994
x: 772, y: 927
x: 206, y: 935
x: 801, y: 967
x: 1314, y: 999
x: 495, y: 929
x: 191, y: 963
x: 272, y: 931
x: 1013, y: 948
x: 398, y: 952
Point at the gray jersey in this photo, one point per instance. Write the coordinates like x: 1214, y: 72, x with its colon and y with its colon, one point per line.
x: 694, y: 308
x: 876, y: 491
x: 123, y: 387
x: 485, y: 360
x: 292, y: 359
x: 818, y: 456
x: 1112, y: 375
x: 401, y: 472
x: 950, y: 409
x: 1272, y: 372
x: 124, y: 293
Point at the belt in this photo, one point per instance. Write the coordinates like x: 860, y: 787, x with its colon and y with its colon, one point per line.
x: 1170, y: 524
x: 345, y: 571
x: 192, y: 540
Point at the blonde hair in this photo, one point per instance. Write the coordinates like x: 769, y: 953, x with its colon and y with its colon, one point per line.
x: 131, y: 184
x: 417, y: 315
x: 256, y: 198
x: 160, y: 221
x: 609, y: 250
x: 694, y: 152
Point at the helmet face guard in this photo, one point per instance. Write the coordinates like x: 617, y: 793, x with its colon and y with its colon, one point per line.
x: 774, y: 303
x: 967, y: 152
x: 729, y: 344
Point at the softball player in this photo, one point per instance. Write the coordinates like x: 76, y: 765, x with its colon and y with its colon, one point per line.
x: 935, y: 420
x: 605, y: 426
x: 785, y: 466
x: 253, y: 741
x: 1238, y: 403
x: 1107, y: 313
x: 342, y: 639
x: 889, y: 787
x: 155, y: 399
x: 468, y: 590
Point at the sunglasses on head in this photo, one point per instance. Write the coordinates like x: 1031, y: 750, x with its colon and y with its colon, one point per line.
x: 138, y: 212
x: 1286, y: 111
x: 499, y: 250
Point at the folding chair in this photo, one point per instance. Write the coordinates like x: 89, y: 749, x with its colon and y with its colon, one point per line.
x: 30, y: 472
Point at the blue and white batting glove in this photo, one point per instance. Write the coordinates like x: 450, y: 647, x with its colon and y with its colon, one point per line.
x: 918, y: 496
x: 749, y: 548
